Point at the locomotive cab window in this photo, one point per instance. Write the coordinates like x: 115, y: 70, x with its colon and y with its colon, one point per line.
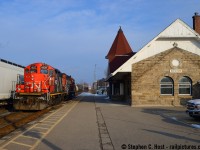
x: 44, y: 70
x: 26, y: 70
x: 33, y: 69
x: 51, y: 73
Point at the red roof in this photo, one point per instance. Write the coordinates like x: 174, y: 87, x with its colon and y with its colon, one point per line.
x: 120, y: 47
x: 119, y: 52
x: 117, y: 62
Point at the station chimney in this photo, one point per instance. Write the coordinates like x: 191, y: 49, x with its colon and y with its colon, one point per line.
x: 196, y: 22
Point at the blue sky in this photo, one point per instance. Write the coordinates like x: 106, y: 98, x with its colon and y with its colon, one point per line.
x: 74, y: 35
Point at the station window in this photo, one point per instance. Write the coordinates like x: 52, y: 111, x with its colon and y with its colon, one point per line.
x: 185, y: 86
x: 166, y: 86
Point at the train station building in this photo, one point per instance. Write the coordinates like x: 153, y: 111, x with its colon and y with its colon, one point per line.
x: 166, y: 71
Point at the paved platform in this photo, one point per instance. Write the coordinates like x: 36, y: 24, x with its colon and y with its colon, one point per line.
x: 94, y: 122
x: 35, y: 134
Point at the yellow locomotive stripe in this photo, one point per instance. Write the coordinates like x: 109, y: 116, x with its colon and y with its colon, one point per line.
x: 31, y: 94
x: 58, y: 93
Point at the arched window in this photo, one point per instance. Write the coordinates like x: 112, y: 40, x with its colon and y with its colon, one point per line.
x: 185, y: 86
x: 166, y: 86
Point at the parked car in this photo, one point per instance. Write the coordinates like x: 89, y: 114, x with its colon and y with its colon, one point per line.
x: 193, y: 108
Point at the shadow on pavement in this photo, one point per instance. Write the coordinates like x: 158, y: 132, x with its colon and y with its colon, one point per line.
x: 102, y: 99
x: 173, y: 115
x: 39, y: 137
x: 173, y: 135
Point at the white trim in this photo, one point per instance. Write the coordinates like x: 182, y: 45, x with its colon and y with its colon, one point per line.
x: 157, y: 47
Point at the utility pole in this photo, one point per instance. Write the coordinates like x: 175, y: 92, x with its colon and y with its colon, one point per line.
x: 95, y: 87
x: 95, y: 73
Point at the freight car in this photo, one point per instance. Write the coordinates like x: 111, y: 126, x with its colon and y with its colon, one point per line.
x: 9, y: 73
x: 71, y: 87
x: 43, y: 86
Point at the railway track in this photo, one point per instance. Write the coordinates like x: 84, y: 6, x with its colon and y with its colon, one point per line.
x: 10, y: 121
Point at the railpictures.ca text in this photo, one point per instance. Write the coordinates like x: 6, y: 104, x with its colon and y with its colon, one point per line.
x: 159, y: 146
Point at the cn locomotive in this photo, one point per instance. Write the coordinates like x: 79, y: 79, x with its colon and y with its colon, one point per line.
x: 41, y: 87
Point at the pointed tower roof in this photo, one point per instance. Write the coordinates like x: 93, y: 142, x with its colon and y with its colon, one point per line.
x: 120, y: 47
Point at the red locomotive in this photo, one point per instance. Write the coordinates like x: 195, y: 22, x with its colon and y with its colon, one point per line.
x: 43, y: 85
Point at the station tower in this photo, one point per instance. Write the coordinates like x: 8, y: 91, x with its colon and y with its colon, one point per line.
x: 119, y: 52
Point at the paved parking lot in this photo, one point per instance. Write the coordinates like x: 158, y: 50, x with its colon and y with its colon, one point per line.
x: 177, y: 114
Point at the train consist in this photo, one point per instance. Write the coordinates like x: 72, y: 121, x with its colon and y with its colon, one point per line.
x: 41, y: 86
